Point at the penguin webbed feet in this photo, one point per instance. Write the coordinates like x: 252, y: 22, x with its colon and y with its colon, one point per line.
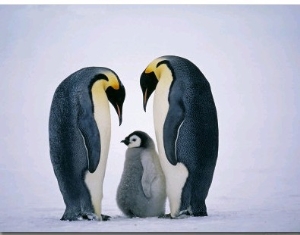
x: 92, y: 216
x: 181, y: 215
x: 70, y: 215
x: 105, y: 217
x: 165, y: 216
x: 201, y: 214
x: 84, y: 216
x: 89, y: 216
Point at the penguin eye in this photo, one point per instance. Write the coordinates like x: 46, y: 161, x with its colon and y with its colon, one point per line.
x: 134, y: 139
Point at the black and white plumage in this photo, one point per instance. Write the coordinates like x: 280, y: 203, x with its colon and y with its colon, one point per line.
x: 186, y: 127
x: 141, y: 191
x: 79, y: 136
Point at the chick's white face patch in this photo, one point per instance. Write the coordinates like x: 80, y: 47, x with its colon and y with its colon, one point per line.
x: 134, y: 142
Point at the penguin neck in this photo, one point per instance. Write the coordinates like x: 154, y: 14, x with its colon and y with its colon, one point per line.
x: 161, y: 104
x: 102, y: 114
x: 163, y: 73
x: 98, y: 89
x: 101, y: 111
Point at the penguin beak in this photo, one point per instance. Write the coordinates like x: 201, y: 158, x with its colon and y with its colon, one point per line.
x: 119, y: 112
x: 125, y: 141
x: 148, y: 92
x: 145, y: 100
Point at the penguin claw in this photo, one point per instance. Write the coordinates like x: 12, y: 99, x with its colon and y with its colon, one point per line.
x: 165, y: 216
x: 69, y: 216
x: 72, y: 218
x: 85, y: 216
x: 182, y: 215
x: 105, y: 217
x: 90, y: 216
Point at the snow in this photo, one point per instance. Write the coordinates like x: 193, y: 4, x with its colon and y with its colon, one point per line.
x: 248, y: 53
x: 246, y: 204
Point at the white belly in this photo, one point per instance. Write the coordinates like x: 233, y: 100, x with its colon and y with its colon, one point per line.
x: 175, y: 175
x: 94, y: 180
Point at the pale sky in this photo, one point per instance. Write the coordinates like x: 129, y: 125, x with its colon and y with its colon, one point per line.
x: 249, y: 54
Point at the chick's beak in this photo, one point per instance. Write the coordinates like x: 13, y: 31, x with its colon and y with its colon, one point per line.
x: 125, y: 142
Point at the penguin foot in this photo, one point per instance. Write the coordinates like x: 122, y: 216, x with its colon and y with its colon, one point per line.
x: 71, y: 217
x: 200, y: 214
x: 165, y: 216
x: 182, y: 215
x: 89, y: 216
x: 84, y: 216
x: 92, y: 216
x: 105, y: 217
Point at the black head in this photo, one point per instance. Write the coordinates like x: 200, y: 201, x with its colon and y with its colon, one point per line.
x: 115, y: 91
x: 138, y: 139
x: 150, y: 77
x: 148, y: 82
x: 116, y: 98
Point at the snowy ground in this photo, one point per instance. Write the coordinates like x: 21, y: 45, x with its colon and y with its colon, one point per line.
x: 244, y: 200
x: 249, y: 54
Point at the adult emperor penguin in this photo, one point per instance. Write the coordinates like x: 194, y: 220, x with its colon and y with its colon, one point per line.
x: 142, y: 189
x: 79, y: 136
x: 186, y: 128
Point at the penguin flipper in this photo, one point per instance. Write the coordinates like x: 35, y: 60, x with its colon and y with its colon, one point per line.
x: 148, y: 174
x: 173, y: 122
x: 89, y: 130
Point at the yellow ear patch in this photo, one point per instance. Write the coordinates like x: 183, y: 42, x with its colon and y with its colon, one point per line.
x: 112, y: 81
x: 162, y: 69
x: 152, y: 66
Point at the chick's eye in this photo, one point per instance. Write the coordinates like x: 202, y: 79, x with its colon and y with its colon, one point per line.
x: 133, y: 139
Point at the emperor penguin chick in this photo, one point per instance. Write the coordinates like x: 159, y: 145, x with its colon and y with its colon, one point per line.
x: 142, y: 189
